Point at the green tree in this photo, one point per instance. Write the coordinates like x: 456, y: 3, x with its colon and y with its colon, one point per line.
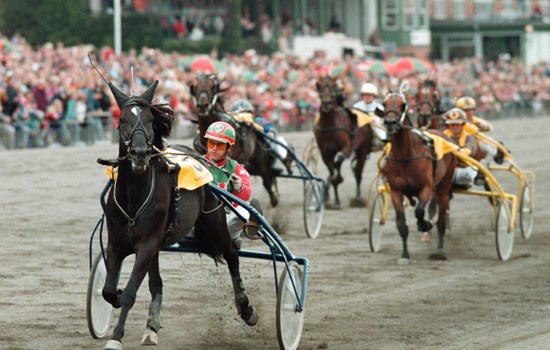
x: 232, y: 41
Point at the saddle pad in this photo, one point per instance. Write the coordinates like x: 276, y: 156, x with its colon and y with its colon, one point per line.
x: 192, y: 174
x: 362, y: 118
x: 441, y: 146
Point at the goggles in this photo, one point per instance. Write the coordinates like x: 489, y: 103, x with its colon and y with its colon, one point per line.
x: 216, y: 145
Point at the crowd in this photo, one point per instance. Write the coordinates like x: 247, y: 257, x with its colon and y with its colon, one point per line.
x: 51, y: 95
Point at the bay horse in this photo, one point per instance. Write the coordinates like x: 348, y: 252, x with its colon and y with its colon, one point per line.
x: 146, y: 211
x: 413, y: 171
x: 338, y: 137
x: 428, y: 106
x: 250, y: 149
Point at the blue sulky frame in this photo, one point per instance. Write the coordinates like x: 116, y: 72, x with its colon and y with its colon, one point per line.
x: 278, y: 251
x: 314, y: 185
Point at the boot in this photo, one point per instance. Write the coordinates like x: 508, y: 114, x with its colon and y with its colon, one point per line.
x: 252, y: 226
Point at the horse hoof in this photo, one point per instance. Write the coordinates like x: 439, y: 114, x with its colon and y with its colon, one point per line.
x: 332, y: 206
x: 438, y: 256
x: 252, y: 319
x: 113, y: 345
x: 403, y: 261
x: 425, y: 237
x: 150, y: 337
x: 358, y: 202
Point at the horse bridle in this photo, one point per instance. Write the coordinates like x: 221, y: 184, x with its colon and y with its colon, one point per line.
x: 427, y: 101
x: 137, y: 128
x: 211, y: 100
x: 333, y: 96
x: 393, y: 109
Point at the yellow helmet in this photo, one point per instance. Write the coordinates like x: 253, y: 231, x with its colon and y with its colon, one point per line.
x: 455, y: 116
x: 466, y: 102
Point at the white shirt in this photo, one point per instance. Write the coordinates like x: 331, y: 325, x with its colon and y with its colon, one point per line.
x: 367, y: 107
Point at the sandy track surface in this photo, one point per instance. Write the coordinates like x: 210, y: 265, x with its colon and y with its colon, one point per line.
x: 356, y: 299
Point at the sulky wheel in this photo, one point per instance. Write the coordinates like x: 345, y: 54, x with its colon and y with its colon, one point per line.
x: 504, y: 238
x: 376, y: 222
x: 313, y: 207
x: 526, y: 207
x: 289, y: 321
x: 98, y: 312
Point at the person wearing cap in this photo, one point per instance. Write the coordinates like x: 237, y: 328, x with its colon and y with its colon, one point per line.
x: 368, y: 104
x: 468, y: 105
x: 455, y: 120
x: 228, y: 174
x: 243, y: 110
x: 475, y: 124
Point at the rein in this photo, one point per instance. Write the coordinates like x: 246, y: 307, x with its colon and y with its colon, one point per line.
x: 132, y: 220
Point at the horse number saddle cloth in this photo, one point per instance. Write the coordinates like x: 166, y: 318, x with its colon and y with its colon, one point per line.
x: 441, y: 146
x: 191, y: 175
x: 362, y: 118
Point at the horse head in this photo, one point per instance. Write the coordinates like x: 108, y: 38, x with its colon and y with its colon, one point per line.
x: 205, y: 92
x: 326, y: 88
x: 427, y: 101
x: 142, y: 126
x: 394, y: 113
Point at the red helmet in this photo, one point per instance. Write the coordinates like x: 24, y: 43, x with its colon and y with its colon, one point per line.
x: 203, y: 64
x: 221, y: 132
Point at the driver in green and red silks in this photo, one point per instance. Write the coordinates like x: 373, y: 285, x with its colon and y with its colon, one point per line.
x: 228, y: 174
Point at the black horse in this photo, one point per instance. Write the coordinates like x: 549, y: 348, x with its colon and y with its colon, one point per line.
x: 145, y: 211
x: 250, y: 148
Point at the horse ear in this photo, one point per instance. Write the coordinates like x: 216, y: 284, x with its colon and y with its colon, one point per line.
x: 150, y: 92
x: 119, y: 95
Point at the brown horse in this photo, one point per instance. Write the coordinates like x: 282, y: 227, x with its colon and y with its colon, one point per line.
x: 412, y: 170
x: 250, y: 148
x: 338, y: 137
x: 428, y: 106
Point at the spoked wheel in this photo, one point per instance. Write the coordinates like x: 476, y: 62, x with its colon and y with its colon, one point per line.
x: 526, y: 207
x: 313, y: 207
x: 311, y: 155
x: 99, y: 313
x: 290, y: 322
x: 375, y: 222
x: 504, y: 238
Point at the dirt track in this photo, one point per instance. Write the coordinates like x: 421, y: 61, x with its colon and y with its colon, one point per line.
x: 356, y: 299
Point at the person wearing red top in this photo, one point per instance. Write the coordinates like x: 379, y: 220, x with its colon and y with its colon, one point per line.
x: 229, y: 175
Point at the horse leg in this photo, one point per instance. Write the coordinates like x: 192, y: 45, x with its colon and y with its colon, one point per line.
x: 361, y: 159
x: 268, y: 180
x: 443, y: 204
x: 128, y: 297
x: 114, y: 262
x: 401, y: 223
x: 247, y: 312
x: 155, y: 288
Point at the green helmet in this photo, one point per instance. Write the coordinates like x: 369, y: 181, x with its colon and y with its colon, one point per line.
x: 221, y: 132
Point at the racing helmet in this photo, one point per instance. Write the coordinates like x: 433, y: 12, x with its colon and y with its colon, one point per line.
x: 221, y: 132
x: 466, y: 102
x: 242, y: 106
x: 369, y: 88
x: 455, y: 116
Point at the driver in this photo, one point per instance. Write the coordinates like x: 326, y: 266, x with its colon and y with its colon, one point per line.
x: 464, y: 176
x: 243, y: 110
x: 368, y: 104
